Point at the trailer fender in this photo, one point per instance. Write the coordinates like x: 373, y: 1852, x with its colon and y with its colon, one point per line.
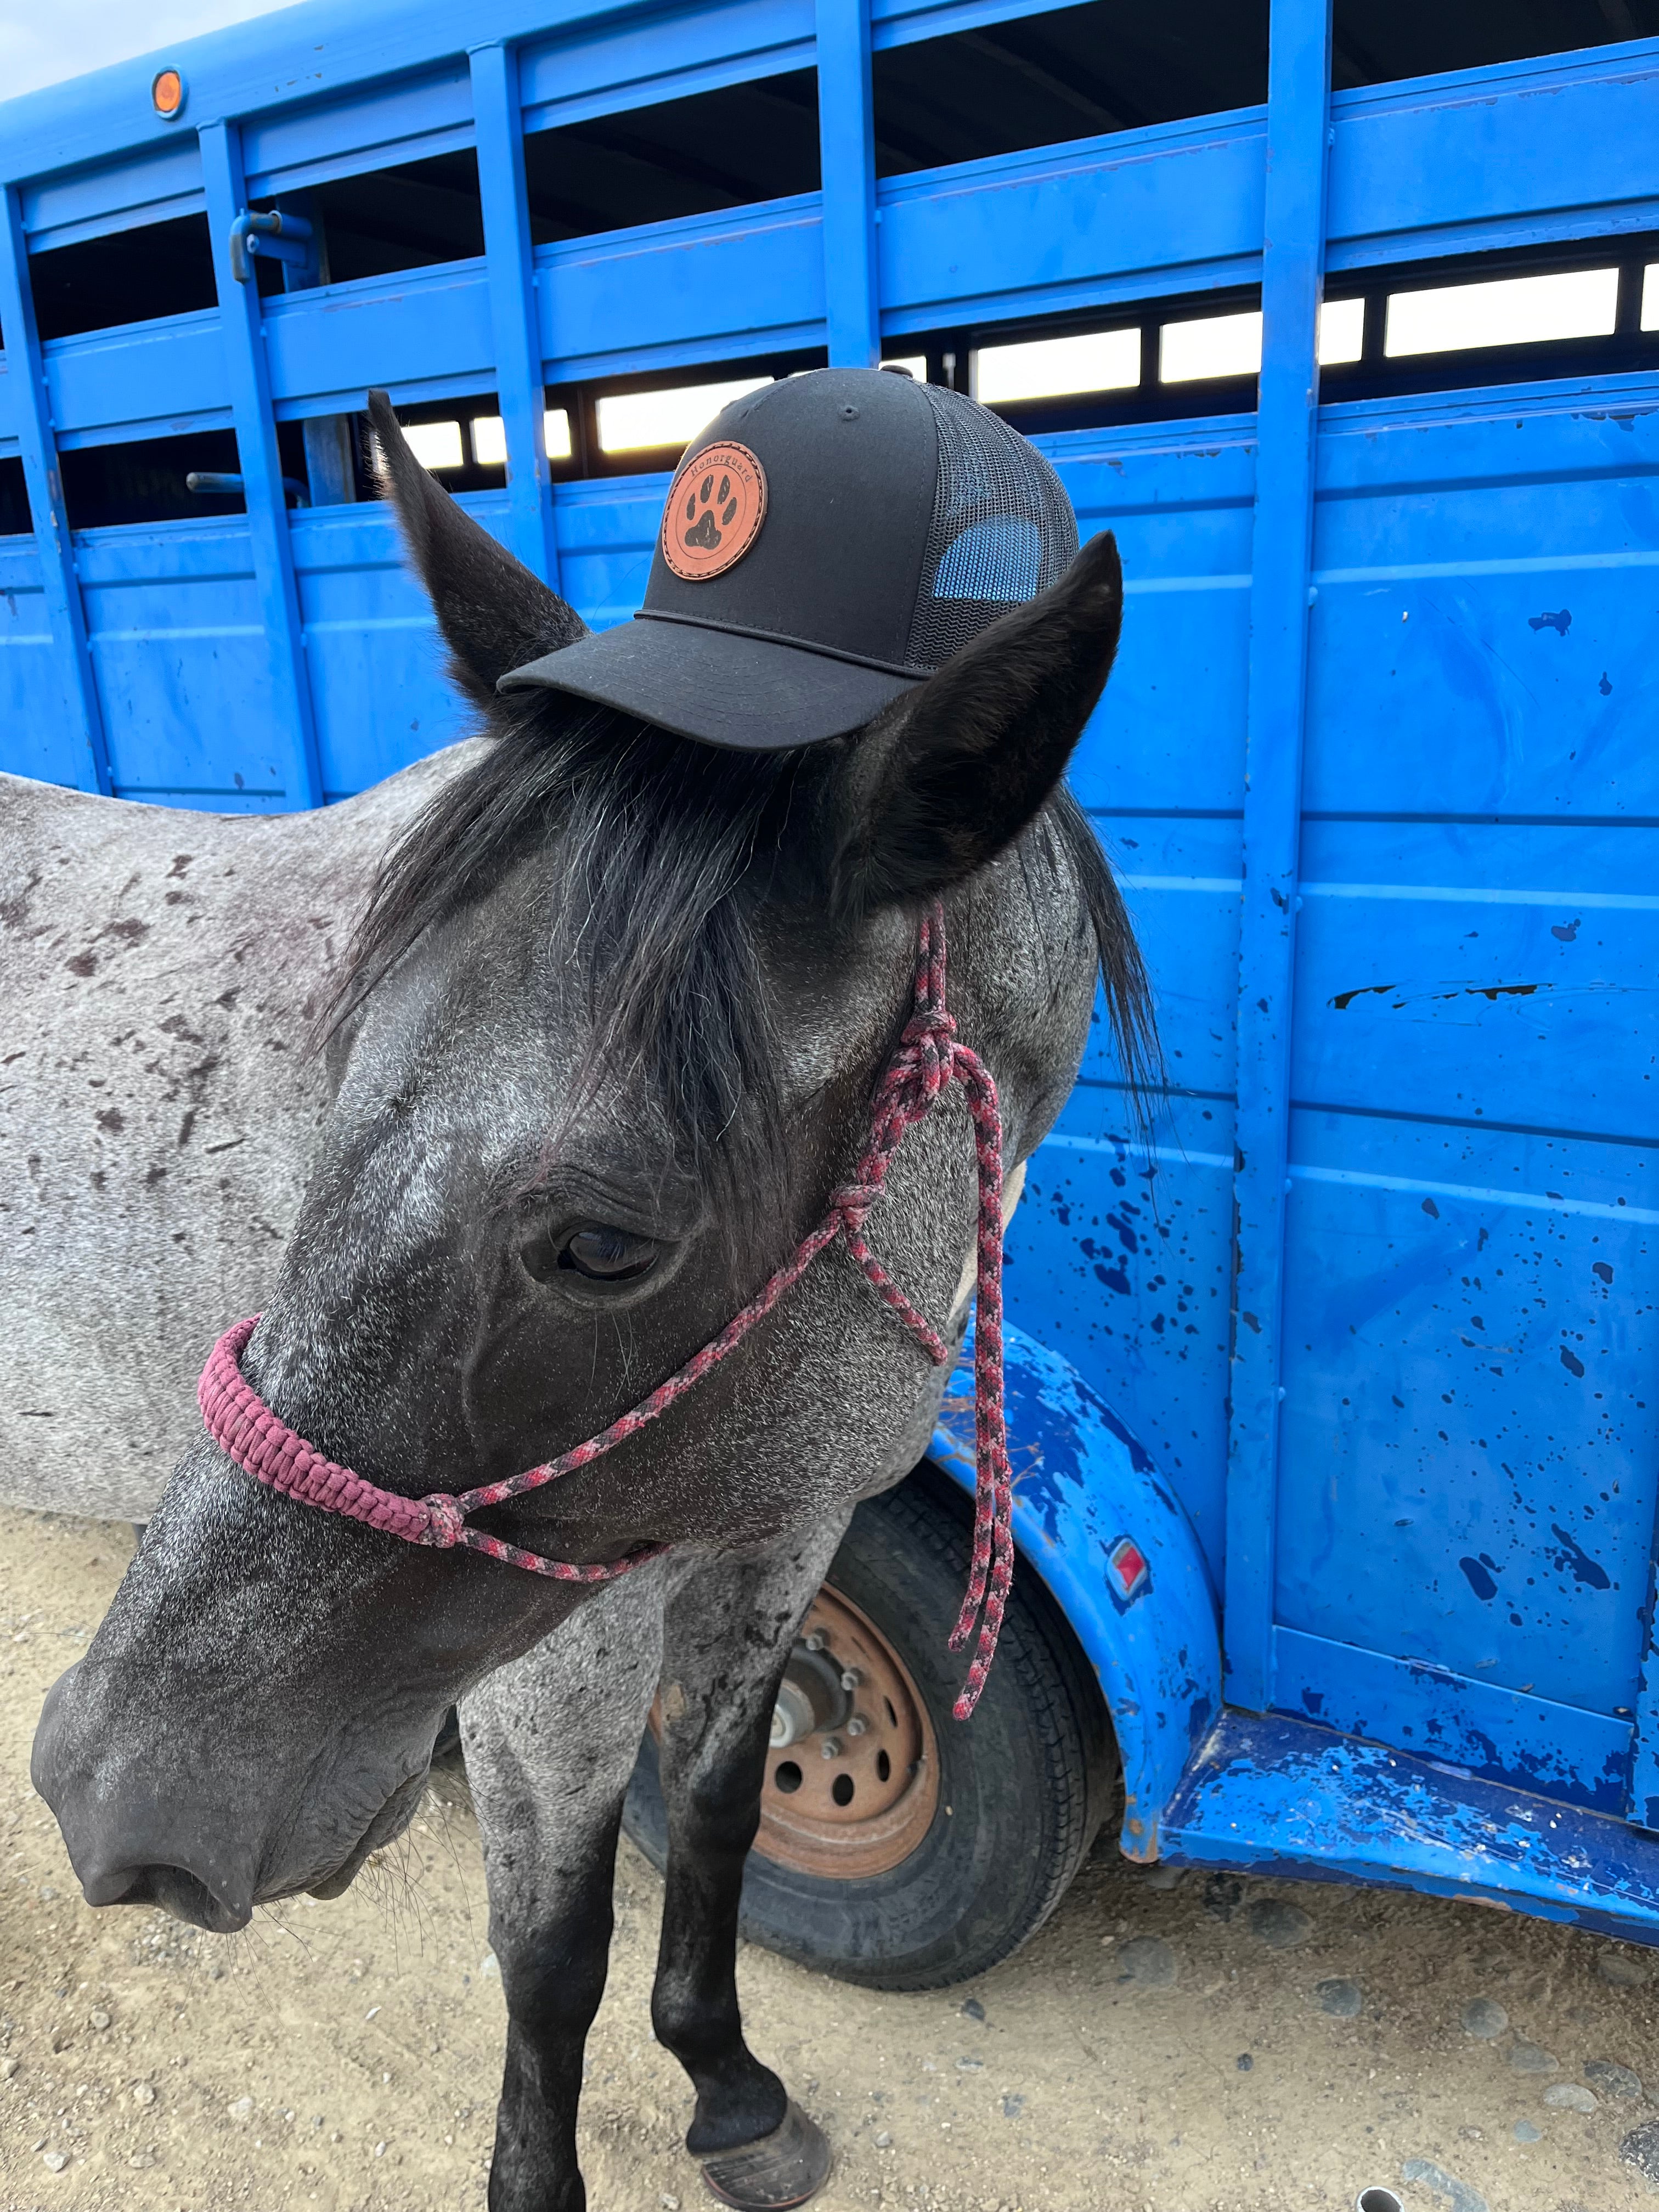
x: 1114, y: 1547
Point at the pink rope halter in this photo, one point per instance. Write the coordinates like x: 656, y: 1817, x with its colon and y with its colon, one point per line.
x: 927, y: 1061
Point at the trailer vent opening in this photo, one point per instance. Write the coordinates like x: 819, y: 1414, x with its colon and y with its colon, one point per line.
x: 412, y: 216
x: 1378, y: 41
x: 646, y: 422
x: 435, y: 445
x: 1048, y: 368
x: 1080, y: 72
x: 16, y: 520
x: 1217, y: 346
x: 489, y: 437
x: 726, y: 149
x: 129, y: 276
x: 1574, y: 303
x: 144, y: 481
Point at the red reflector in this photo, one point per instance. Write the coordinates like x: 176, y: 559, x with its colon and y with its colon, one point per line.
x: 1129, y: 1563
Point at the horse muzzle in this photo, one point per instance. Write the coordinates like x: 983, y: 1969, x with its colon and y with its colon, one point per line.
x: 126, y: 1839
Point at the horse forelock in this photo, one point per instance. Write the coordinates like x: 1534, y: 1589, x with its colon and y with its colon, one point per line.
x: 656, y: 857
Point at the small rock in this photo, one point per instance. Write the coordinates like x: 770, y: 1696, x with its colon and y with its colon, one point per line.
x: 7, y: 2068
x: 1342, y: 2000
x: 98, y: 2020
x: 1612, y: 2079
x: 143, y: 2093
x: 1525, y: 2132
x: 1163, y: 1877
x: 1459, y: 2197
x: 1483, y: 2018
x: 141, y: 2158
x: 1570, y: 2097
x: 1621, y: 1970
x: 1222, y: 1893
x: 669, y: 2203
x: 47, y: 1893
x: 884, y: 2140
x: 1280, y: 1926
x: 1012, y: 2106
x: 969, y: 2065
x: 1244, y: 2063
x: 1149, y: 1960
x: 53, y: 2161
x: 1527, y: 2058
x: 1640, y: 2148
x: 973, y: 2008
x: 241, y: 2108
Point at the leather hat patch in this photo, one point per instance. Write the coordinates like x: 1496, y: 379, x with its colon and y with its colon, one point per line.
x: 714, y: 512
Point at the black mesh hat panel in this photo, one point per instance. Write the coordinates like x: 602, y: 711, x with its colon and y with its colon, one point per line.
x: 873, y: 526
x: 1002, y: 529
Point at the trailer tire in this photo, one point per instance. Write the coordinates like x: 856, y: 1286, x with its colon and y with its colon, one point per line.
x: 1019, y: 1791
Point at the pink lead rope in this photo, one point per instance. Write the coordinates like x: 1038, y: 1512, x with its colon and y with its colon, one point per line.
x: 927, y: 1061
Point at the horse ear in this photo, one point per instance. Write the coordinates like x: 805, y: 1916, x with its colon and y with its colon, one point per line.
x: 494, y: 614
x: 954, y: 770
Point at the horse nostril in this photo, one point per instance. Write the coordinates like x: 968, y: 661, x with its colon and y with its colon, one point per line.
x: 175, y: 1889
x: 114, y: 1887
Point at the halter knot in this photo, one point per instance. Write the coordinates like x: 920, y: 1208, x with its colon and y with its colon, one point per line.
x: 927, y: 1045
x: 853, y: 1202
x: 445, y: 1524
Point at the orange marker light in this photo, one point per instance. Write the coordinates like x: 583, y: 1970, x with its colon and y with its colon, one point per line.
x: 167, y: 94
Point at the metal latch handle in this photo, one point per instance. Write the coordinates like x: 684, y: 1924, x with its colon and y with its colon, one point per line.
x: 276, y: 236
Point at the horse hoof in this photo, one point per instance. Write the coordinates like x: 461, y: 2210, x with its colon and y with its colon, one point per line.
x: 781, y: 2169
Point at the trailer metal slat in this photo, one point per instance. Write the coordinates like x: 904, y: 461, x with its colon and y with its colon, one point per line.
x: 83, y: 753
x: 248, y: 376
x: 1281, y: 560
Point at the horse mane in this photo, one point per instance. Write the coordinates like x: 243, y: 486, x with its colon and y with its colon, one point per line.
x: 666, y: 851
x: 1123, y: 970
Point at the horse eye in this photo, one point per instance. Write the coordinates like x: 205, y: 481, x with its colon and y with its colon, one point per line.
x: 606, y: 1254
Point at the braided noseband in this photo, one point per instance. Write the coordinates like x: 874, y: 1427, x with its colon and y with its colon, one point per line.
x: 927, y: 1060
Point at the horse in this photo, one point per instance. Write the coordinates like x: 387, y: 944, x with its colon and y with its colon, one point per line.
x: 603, y: 1051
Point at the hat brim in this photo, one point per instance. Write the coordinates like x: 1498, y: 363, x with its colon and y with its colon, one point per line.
x: 718, y: 686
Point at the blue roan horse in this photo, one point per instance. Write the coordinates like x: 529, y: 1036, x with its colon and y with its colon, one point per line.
x: 605, y: 1040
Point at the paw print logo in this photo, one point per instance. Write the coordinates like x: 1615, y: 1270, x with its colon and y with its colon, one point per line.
x: 714, y: 512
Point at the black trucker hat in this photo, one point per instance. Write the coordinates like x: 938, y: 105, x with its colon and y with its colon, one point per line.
x: 829, y: 541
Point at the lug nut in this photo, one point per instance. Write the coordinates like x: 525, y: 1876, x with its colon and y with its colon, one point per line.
x: 850, y: 1677
x: 817, y: 1641
x: 858, y: 1725
x: 831, y: 1747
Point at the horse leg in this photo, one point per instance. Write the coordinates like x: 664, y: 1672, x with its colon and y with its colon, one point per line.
x: 727, y: 1634
x: 550, y: 1742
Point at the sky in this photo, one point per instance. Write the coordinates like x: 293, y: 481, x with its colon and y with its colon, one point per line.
x: 42, y: 41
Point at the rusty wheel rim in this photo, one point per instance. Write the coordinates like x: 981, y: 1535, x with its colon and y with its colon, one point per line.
x: 864, y: 1807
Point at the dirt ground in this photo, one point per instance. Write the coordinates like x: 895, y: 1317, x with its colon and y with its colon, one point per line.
x: 1164, y: 2045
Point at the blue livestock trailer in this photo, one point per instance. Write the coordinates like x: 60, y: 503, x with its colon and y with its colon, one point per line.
x: 1336, y: 1476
